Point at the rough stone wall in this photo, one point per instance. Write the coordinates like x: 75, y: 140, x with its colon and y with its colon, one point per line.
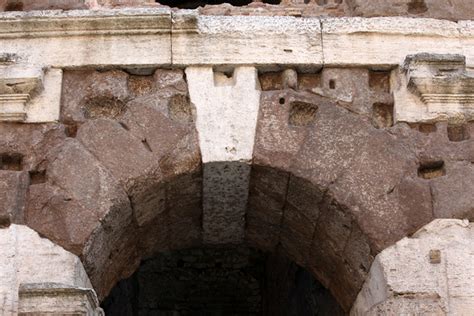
x: 333, y: 181
x: 452, y: 10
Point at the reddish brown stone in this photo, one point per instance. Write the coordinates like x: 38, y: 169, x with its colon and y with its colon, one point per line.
x: 453, y: 193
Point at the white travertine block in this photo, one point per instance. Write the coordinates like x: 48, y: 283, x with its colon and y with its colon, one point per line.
x: 428, y: 273
x: 129, y: 37
x: 26, y: 258
x: 384, y: 42
x: 226, y: 120
x: 466, y: 29
x: 433, y: 87
x: 246, y: 40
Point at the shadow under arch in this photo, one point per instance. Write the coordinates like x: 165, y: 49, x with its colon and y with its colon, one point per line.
x: 326, y: 187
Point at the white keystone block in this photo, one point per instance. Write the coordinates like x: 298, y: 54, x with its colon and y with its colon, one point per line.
x: 236, y: 40
x: 226, y: 120
x: 227, y: 110
x: 430, y: 273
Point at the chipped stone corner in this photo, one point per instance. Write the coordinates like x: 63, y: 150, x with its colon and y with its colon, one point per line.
x: 428, y: 273
x: 29, y: 94
x: 57, y: 299
x: 433, y: 87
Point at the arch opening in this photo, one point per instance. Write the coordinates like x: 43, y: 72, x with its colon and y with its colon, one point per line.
x: 228, y: 280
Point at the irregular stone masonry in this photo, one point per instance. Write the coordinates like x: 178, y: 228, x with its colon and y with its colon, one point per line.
x: 439, y: 9
x: 156, y: 129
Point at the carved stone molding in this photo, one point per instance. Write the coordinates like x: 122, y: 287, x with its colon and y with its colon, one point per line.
x: 441, y: 80
x: 57, y: 299
x: 17, y: 86
x: 434, y: 87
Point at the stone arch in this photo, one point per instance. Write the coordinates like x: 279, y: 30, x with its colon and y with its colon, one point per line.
x: 123, y: 177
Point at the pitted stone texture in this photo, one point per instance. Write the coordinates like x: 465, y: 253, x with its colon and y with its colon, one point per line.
x: 406, y: 278
x: 124, y: 181
x: 83, y: 192
x: 342, y: 36
x: 28, y: 258
x: 13, y: 188
x: 340, y: 184
x: 437, y: 9
x: 27, y: 5
x: 254, y: 40
x: 225, y: 195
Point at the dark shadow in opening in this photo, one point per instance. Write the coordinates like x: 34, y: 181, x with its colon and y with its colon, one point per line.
x: 235, y: 280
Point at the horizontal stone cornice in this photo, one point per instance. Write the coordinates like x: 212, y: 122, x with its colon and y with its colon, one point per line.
x: 149, y: 37
x: 84, y: 22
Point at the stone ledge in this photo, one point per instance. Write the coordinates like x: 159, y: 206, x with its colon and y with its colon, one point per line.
x: 84, y: 38
x: 57, y: 299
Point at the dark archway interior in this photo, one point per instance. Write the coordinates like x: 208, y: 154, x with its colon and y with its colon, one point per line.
x: 234, y: 280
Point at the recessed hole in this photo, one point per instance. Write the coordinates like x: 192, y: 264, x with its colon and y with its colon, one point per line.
x: 431, y: 169
x: 332, y: 84
x: 458, y: 133
x: 146, y: 144
x: 140, y: 85
x: 417, y: 7
x: 14, y: 6
x: 124, y: 126
x: 11, y: 162
x: 427, y: 128
x: 103, y: 107
x: 272, y: 1
x: 70, y: 130
x: 179, y: 108
x: 37, y: 177
x: 307, y: 1
x: 282, y: 101
x: 379, y: 81
x: 309, y: 81
x: 382, y: 115
x: 271, y: 81
x: 302, y: 113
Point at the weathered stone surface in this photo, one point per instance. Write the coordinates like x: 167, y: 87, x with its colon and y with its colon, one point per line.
x: 31, y: 142
x: 13, y: 188
x: 452, y: 194
x: 433, y: 87
x: 404, y: 279
x: 54, y: 298
x: 28, y: 258
x: 262, y: 40
x: 26, y: 5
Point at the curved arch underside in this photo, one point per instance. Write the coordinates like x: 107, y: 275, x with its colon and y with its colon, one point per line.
x: 331, y: 182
